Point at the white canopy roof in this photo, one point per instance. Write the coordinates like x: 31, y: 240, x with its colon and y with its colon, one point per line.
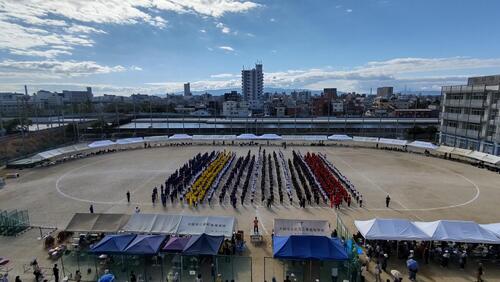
x: 492, y: 227
x: 133, y: 140
x: 445, y: 149
x: 423, y: 145
x: 461, y: 152
x: 180, y: 137
x: 286, y: 227
x: 270, y: 137
x: 247, y: 136
x: 365, y: 139
x: 101, y: 143
x: 339, y: 137
x: 392, y: 141
x: 457, y: 231
x: 214, y: 137
x: 484, y: 157
x: 180, y: 224
x: 390, y: 229
x: 305, y: 137
x: 157, y: 138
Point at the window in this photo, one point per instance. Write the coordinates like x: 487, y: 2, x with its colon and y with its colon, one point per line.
x: 473, y: 126
x: 477, y: 112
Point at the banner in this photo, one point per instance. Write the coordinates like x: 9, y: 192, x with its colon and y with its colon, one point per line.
x: 286, y: 227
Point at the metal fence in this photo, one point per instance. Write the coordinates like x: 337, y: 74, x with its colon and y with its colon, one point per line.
x: 163, y: 267
x: 13, y: 222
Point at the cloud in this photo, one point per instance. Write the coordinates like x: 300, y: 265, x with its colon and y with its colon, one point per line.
x: 349, y: 10
x: 222, y: 75
x: 249, y: 34
x: 226, y: 48
x: 223, y: 28
x: 203, y: 31
x: 272, y: 20
x: 34, y: 27
x: 57, y: 69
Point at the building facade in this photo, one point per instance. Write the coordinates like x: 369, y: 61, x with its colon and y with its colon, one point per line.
x: 385, y: 91
x: 187, y: 89
x: 252, y: 86
x: 469, y: 115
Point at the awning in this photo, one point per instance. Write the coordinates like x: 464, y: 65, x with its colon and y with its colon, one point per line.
x: 286, y: 227
x: 153, y: 223
x: 365, y: 139
x: 113, y: 244
x: 305, y: 247
x: 97, y: 222
x: 145, y: 245
x: 390, y: 229
x: 180, y: 137
x: 423, y: 145
x: 247, y: 136
x: 388, y: 141
x: 270, y: 137
x: 126, y: 141
x: 176, y: 244
x: 457, y: 231
x: 203, y: 245
x: 101, y: 143
x: 340, y: 137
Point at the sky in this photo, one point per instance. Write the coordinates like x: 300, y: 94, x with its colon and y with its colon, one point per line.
x: 154, y: 46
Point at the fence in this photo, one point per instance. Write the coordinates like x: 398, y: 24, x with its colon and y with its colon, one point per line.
x: 13, y: 222
x: 157, y: 268
x: 310, y: 270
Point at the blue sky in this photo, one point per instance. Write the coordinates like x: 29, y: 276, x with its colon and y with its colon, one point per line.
x: 153, y: 46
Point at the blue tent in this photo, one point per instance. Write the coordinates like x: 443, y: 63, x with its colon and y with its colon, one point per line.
x: 113, y: 244
x: 203, y: 245
x: 308, y: 247
x: 145, y: 245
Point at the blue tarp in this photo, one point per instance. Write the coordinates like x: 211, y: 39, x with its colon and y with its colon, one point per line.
x: 203, y: 245
x: 145, y: 245
x: 113, y: 243
x: 176, y: 244
x: 308, y: 247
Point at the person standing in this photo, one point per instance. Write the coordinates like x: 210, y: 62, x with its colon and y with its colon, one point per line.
x: 256, y: 226
x: 387, y: 201
x: 78, y: 276
x: 479, y: 272
x: 378, y: 272
x: 198, y: 279
x: 18, y: 279
x: 128, y: 197
x: 55, y: 272
x: 335, y: 274
x: 133, y: 278
x: 91, y: 209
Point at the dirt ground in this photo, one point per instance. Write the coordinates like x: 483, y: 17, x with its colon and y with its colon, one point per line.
x: 421, y: 188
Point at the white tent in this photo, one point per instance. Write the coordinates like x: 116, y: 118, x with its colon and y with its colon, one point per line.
x: 365, y: 139
x: 396, y: 142
x: 286, y: 227
x: 247, y: 136
x: 214, y: 137
x: 457, y: 231
x: 390, y: 229
x: 180, y: 137
x: 305, y: 137
x: 126, y: 141
x: 270, y: 137
x: 101, y: 143
x: 492, y: 227
x: 339, y: 137
x: 487, y: 158
x: 158, y: 138
x: 423, y: 145
x: 211, y: 225
x: 445, y: 149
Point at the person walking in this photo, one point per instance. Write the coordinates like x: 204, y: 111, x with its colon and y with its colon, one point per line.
x: 479, y: 272
x: 18, y: 279
x: 133, y: 278
x: 55, y: 272
x: 387, y: 201
x: 128, y: 197
x: 378, y: 272
x: 91, y: 209
x: 78, y: 276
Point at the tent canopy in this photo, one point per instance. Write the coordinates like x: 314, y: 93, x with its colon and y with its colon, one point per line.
x: 126, y: 141
x: 112, y: 244
x: 145, y: 245
x: 390, y: 229
x: 176, y: 244
x: 339, y: 137
x: 214, y: 137
x: 493, y: 228
x: 203, y: 245
x: 457, y: 231
x: 247, y: 136
x: 270, y: 137
x: 388, y: 141
x: 158, y: 138
x: 153, y: 223
x: 97, y: 222
x: 305, y: 137
x: 423, y: 145
x: 180, y: 137
x: 365, y: 139
x: 101, y: 143
x: 306, y: 247
x: 286, y: 227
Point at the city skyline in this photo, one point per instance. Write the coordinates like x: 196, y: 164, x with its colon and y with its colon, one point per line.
x: 154, y: 47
